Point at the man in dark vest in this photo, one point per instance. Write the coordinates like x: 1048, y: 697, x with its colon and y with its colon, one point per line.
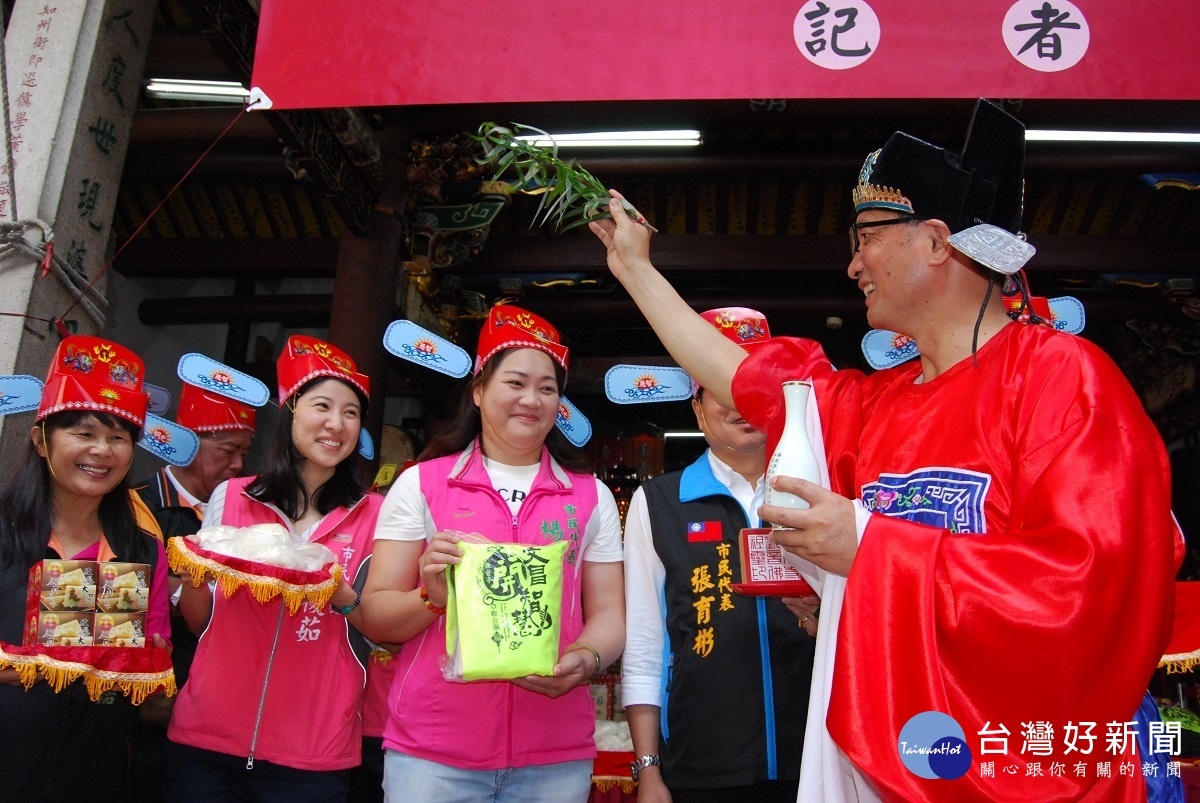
x: 177, y: 496
x: 715, y: 684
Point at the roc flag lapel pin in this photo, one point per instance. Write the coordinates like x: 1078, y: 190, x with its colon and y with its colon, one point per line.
x: 701, y: 531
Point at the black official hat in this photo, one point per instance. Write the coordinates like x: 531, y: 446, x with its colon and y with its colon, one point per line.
x: 976, y: 193
x: 983, y: 184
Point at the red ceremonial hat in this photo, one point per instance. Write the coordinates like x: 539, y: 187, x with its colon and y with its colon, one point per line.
x: 305, y: 358
x: 90, y: 373
x: 201, y: 411
x: 746, y: 327
x: 509, y: 327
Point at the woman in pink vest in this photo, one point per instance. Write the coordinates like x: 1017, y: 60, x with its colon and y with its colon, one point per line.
x: 270, y: 711
x: 502, y: 471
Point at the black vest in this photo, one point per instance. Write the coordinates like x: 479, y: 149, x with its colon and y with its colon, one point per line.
x: 716, y: 721
x: 174, y: 518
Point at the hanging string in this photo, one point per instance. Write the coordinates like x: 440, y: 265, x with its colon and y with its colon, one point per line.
x: 58, y: 322
x: 30, y: 317
x: 979, y: 320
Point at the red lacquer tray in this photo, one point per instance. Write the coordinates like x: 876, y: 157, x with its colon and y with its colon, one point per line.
x: 264, y: 581
x: 137, y: 672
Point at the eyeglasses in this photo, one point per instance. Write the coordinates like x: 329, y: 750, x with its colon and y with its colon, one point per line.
x: 856, y: 227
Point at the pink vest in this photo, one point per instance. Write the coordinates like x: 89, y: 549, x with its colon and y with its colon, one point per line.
x: 380, y: 670
x: 270, y: 685
x: 494, y: 724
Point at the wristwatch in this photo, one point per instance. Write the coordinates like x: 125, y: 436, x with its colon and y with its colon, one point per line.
x: 641, y: 762
x: 345, y: 610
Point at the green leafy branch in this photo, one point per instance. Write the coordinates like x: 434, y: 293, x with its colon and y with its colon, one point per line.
x: 571, y: 196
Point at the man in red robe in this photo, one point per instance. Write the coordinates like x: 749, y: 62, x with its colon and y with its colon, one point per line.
x: 998, y: 530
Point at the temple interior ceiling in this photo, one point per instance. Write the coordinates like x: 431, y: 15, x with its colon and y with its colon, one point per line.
x: 756, y: 216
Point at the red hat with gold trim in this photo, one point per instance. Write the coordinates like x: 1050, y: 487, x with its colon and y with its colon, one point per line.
x: 744, y: 326
x: 201, y: 411
x: 509, y: 327
x: 305, y: 358
x: 90, y: 373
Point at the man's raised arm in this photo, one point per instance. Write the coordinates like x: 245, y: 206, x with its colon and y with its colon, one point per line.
x: 701, y: 350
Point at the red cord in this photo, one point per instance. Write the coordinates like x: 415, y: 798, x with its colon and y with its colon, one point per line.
x: 142, y: 225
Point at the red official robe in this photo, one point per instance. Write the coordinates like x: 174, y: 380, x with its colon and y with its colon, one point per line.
x: 1019, y: 565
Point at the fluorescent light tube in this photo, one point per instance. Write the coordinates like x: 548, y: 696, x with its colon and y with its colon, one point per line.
x: 619, y: 139
x: 211, y: 91
x: 1110, y: 136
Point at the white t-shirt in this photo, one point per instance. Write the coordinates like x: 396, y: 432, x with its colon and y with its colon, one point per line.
x: 405, y: 514
x: 511, y: 482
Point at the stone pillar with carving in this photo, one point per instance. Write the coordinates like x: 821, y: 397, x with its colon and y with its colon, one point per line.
x: 74, y: 75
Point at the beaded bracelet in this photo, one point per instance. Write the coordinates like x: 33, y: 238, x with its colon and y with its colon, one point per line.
x: 578, y: 645
x: 429, y: 604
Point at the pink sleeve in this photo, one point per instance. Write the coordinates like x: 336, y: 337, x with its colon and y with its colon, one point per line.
x: 158, y: 611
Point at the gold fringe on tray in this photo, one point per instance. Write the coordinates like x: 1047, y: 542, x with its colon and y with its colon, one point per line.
x: 60, y: 674
x: 263, y: 588
x: 604, y: 783
x: 1180, y: 662
x: 137, y: 687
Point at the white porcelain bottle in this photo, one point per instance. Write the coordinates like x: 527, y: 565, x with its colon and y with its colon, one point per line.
x: 794, y: 456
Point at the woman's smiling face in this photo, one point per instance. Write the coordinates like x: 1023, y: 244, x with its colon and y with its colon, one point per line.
x: 87, y: 458
x: 518, y: 404
x: 328, y: 417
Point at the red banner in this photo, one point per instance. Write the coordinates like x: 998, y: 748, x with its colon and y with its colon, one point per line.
x: 313, y: 53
